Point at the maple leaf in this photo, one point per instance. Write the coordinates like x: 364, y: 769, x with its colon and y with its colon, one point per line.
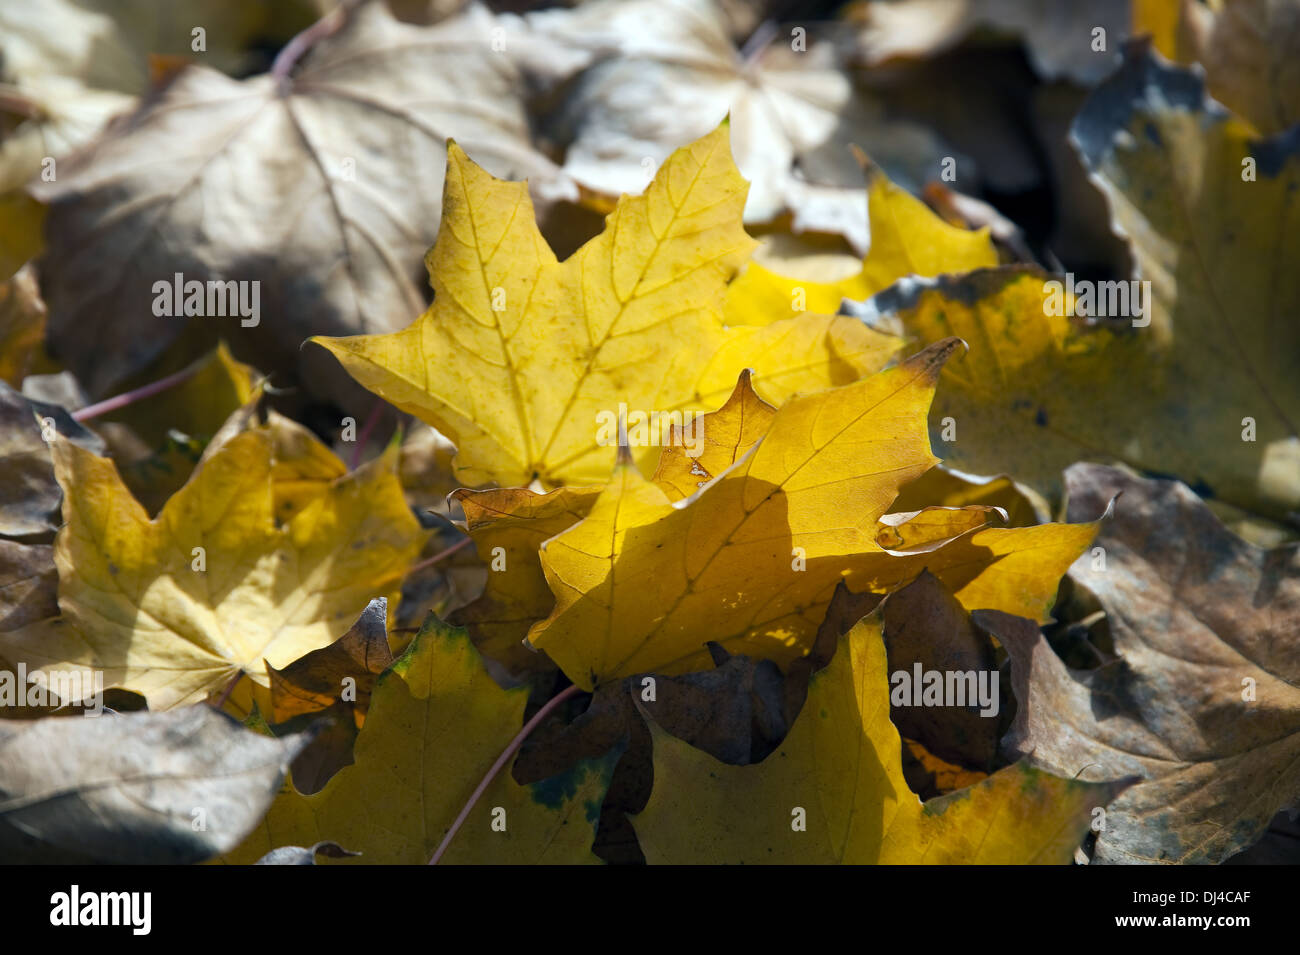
x: 1202, y: 702
x: 329, y: 176
x: 520, y: 355
x: 436, y: 722
x: 752, y: 559
x: 175, y: 607
x: 1206, y: 389
x: 199, y: 406
x: 834, y: 791
x: 906, y: 239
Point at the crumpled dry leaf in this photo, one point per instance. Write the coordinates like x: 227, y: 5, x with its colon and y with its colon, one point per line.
x: 923, y: 625
x: 509, y: 526
x: 319, y: 679
x: 1204, y: 700
x: 130, y: 788
x: 330, y: 180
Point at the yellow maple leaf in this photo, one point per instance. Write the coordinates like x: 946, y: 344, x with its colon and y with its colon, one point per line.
x: 906, y: 239
x: 751, y: 559
x: 175, y: 607
x: 521, y: 355
x: 834, y: 791
x: 436, y: 722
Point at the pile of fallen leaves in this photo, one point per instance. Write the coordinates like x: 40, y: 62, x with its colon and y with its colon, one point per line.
x: 788, y: 517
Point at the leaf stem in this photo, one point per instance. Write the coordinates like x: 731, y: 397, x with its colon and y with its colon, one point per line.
x: 446, y: 552
x: 294, y: 50
x: 504, y: 758
x: 372, y: 419
x: 230, y: 688
x: 135, y: 394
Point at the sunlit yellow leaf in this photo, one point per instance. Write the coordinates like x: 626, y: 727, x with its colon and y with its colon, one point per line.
x: 751, y: 560
x: 906, y: 239
x: 520, y: 355
x: 176, y: 607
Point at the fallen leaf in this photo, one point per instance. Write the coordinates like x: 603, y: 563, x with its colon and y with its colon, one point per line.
x: 131, y: 788
x: 1202, y: 703
x: 176, y: 607
x: 655, y: 74
x: 67, y: 69
x: 330, y: 180
x: 834, y: 792
x: 545, y: 351
x: 1203, y: 379
x: 906, y: 239
x: 1059, y: 36
x: 436, y: 723
x: 198, y: 406
x: 751, y: 561
x: 924, y: 627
